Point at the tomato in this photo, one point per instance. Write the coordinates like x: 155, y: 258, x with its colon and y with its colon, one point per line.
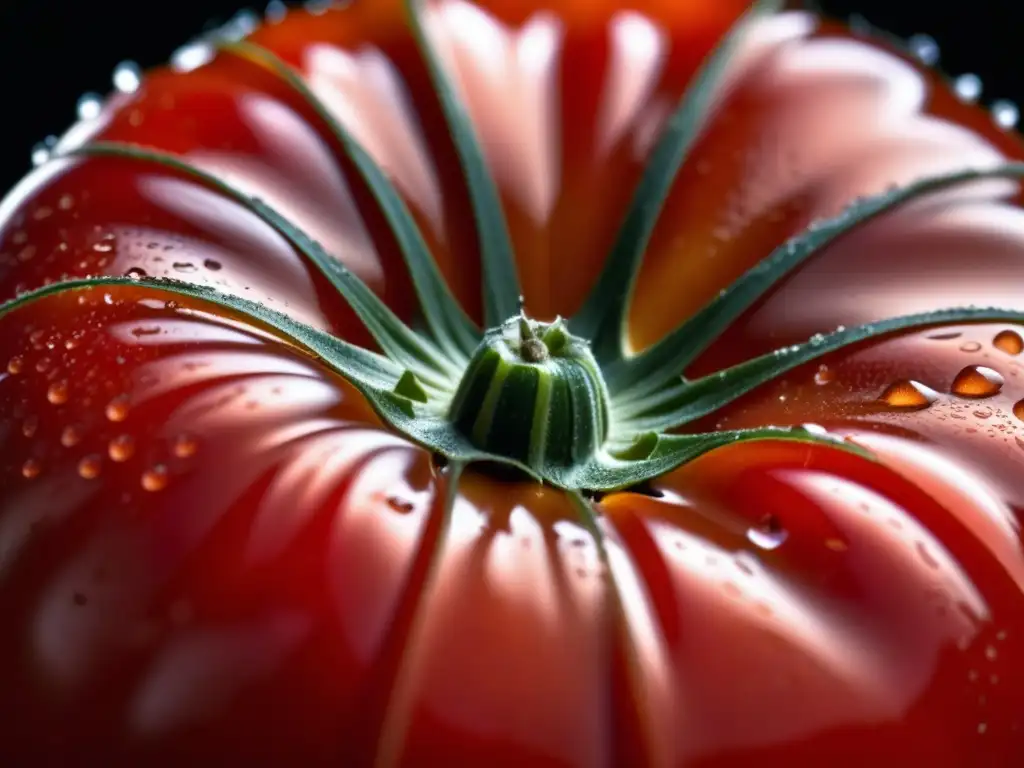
x: 217, y: 548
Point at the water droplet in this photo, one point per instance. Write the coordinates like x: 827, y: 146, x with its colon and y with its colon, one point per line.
x: 925, y: 49
x: 40, y: 155
x: 30, y: 426
x: 909, y: 395
x: 127, y: 77
x: 192, y: 56
x: 155, y: 479
x: 70, y: 436
x: 970, y: 346
x: 185, y: 446
x: 945, y: 336
x: 824, y: 375
x: 213, y: 266
x: 89, y: 468
x: 89, y: 106
x: 31, y: 469
x: 1005, y: 113
x: 1009, y: 342
x: 400, y: 505
x: 991, y: 653
x: 977, y: 381
x: 768, y: 533
x: 15, y: 365
x: 968, y: 87
x: 117, y: 409
x: 836, y: 545
x: 184, y: 266
x: 276, y: 11
x: 57, y: 393
x: 983, y: 414
x: 66, y: 202
x: 121, y: 448
x: 135, y: 273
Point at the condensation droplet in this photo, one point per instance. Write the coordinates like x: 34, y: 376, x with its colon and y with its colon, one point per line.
x: 213, y: 266
x: 909, y: 395
x: 57, y: 393
x: 117, y: 409
x: 89, y: 106
x: 90, y: 467
x: 400, y: 505
x: 977, y: 381
x: 824, y: 375
x: 31, y: 469
x: 135, y: 273
x: 127, y: 77
x: 70, y: 436
x: 768, y: 533
x: 185, y: 446
x: 925, y: 49
x: 155, y: 479
x: 121, y: 448
x: 184, y: 266
x: 1005, y: 113
x: 15, y: 365
x: 970, y: 346
x: 30, y: 426
x: 1009, y: 342
x: 968, y: 87
x: 1018, y: 410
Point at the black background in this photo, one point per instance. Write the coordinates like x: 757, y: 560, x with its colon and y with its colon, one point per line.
x: 52, y: 51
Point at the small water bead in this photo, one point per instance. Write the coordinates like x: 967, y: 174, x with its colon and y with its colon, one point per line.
x: 15, y: 365
x: 909, y: 395
x: 1009, y: 342
x: 70, y: 436
x: 968, y: 87
x: 1018, y: 410
x: 925, y: 49
x: 117, y: 409
x: 400, y: 505
x: 184, y: 266
x: 977, y: 381
x: 185, y: 446
x: 135, y: 273
x: 213, y: 266
x: 57, y: 393
x: 89, y: 106
x: 127, y: 77
x: 31, y: 469
x: 30, y: 426
x: 121, y: 448
x: 970, y: 346
x: 824, y: 375
x: 155, y: 479
x: 768, y: 533
x: 90, y: 467
x: 1005, y: 113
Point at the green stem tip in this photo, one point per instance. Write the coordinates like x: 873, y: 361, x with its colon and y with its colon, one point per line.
x: 533, y: 393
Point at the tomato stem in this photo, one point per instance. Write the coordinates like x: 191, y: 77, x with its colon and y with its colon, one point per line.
x: 535, y: 394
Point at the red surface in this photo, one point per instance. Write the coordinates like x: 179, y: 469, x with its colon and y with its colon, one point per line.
x: 211, y: 550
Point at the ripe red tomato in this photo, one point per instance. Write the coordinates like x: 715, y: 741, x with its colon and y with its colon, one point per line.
x: 215, y: 550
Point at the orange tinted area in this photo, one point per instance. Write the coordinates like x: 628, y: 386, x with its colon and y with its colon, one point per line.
x: 211, y: 549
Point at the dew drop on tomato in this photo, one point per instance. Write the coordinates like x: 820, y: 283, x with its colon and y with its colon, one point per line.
x: 977, y: 381
x: 121, y: 448
x: 970, y: 346
x: 57, y: 393
x: 1009, y: 342
x: 824, y: 375
x: 117, y: 409
x: 1018, y: 410
x: 135, y: 273
x: 768, y: 533
x: 909, y: 395
x: 185, y: 446
x: 70, y: 436
x: 155, y: 479
x: 15, y: 365
x: 31, y: 469
x: 213, y: 266
x: 90, y: 467
x: 29, y: 426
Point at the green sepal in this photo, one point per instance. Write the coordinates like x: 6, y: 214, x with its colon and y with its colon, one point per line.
x: 500, y: 277
x: 603, y: 316
x: 665, y: 361
x: 450, y: 327
x: 688, y: 401
x: 399, y: 342
x: 665, y: 453
x: 409, y: 387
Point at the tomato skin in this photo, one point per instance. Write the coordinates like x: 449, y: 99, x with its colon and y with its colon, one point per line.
x: 212, y: 550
